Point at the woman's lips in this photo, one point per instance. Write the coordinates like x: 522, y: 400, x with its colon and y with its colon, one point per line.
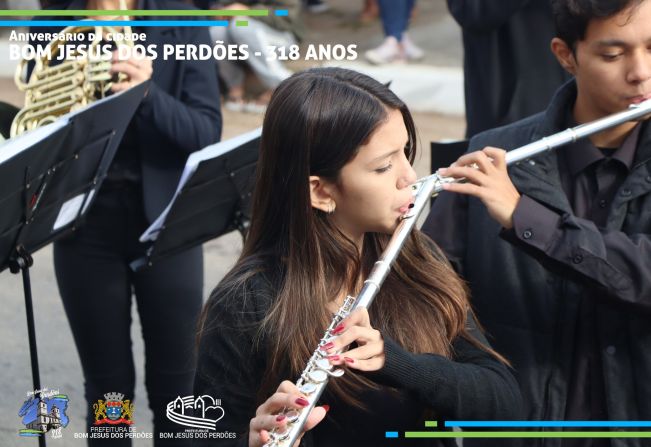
x: 403, y: 209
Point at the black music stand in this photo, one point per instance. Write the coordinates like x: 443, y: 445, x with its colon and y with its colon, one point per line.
x: 7, y: 114
x: 213, y: 198
x: 48, y: 179
x: 443, y: 154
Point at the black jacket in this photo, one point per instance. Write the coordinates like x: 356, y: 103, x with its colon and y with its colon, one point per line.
x: 230, y: 367
x: 181, y: 112
x: 510, y: 71
x: 527, y: 295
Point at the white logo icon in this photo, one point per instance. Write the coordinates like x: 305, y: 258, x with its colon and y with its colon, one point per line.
x: 203, y: 411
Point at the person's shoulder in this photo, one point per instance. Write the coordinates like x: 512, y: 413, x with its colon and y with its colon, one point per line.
x: 246, y: 292
x: 510, y: 136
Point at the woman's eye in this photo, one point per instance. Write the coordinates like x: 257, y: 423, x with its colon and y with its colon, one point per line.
x: 384, y: 168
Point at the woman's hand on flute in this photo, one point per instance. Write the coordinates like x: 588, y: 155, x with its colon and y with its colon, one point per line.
x: 368, y: 355
x: 488, y: 180
x: 269, y: 415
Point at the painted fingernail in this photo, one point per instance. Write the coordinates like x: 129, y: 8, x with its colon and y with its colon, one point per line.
x: 349, y: 360
x: 333, y: 357
x: 302, y: 402
x: 338, y: 330
x: 327, y: 346
x: 326, y: 407
x: 280, y: 418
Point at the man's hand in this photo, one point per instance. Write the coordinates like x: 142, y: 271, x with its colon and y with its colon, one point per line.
x: 488, y: 180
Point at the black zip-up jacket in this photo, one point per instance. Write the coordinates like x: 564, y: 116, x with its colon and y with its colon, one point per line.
x: 527, y: 291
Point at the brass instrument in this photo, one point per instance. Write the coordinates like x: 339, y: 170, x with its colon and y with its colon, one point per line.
x: 56, y: 89
x: 318, y: 371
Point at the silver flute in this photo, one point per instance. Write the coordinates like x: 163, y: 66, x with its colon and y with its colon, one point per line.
x: 318, y: 371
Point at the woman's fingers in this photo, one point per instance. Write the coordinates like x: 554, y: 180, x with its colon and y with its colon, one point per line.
x: 369, y: 357
x: 316, y: 415
x: 279, y: 401
x: 270, y: 415
x: 360, y: 335
x: 267, y: 422
x: 359, y: 317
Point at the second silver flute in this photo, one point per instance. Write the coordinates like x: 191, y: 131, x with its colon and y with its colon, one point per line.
x: 318, y: 371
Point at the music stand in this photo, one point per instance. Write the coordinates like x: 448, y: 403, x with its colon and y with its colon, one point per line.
x: 48, y: 179
x: 443, y: 154
x: 212, y: 198
x: 7, y: 114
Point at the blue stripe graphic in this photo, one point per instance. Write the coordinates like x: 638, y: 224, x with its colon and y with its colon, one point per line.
x: 559, y: 424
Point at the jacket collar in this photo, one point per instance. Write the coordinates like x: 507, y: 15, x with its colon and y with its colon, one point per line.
x: 539, y: 177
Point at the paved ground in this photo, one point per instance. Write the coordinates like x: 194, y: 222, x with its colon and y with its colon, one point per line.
x: 432, y: 28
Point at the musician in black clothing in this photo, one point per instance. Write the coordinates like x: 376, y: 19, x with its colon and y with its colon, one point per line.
x: 509, y: 69
x: 180, y: 114
x: 566, y: 293
x: 332, y: 183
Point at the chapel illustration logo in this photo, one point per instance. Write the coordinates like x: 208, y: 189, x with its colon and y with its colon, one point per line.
x: 114, y: 410
x: 200, y: 412
x: 44, y: 411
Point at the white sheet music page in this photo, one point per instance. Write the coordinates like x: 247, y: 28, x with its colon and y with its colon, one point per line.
x: 212, y: 151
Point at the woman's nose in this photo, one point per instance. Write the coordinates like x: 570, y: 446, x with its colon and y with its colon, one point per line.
x: 408, y: 176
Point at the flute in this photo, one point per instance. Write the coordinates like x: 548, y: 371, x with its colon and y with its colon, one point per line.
x: 318, y: 371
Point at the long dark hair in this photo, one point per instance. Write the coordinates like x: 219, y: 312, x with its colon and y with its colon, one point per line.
x: 314, y: 125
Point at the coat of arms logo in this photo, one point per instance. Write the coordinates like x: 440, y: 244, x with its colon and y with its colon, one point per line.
x: 114, y: 410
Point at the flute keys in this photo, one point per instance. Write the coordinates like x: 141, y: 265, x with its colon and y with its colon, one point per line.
x: 336, y: 373
x: 308, y: 388
x: 323, y: 364
x: 292, y: 416
x: 280, y: 436
x: 318, y: 375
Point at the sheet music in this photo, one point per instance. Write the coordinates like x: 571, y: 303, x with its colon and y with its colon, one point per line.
x: 212, y: 151
x: 68, y: 211
x: 13, y: 146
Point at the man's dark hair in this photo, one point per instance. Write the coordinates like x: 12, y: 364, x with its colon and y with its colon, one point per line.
x: 572, y: 16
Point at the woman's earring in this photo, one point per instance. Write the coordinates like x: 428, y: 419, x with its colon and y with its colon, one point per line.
x: 331, y: 208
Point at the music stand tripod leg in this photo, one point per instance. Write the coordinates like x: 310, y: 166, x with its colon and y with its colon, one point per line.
x: 22, y: 262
